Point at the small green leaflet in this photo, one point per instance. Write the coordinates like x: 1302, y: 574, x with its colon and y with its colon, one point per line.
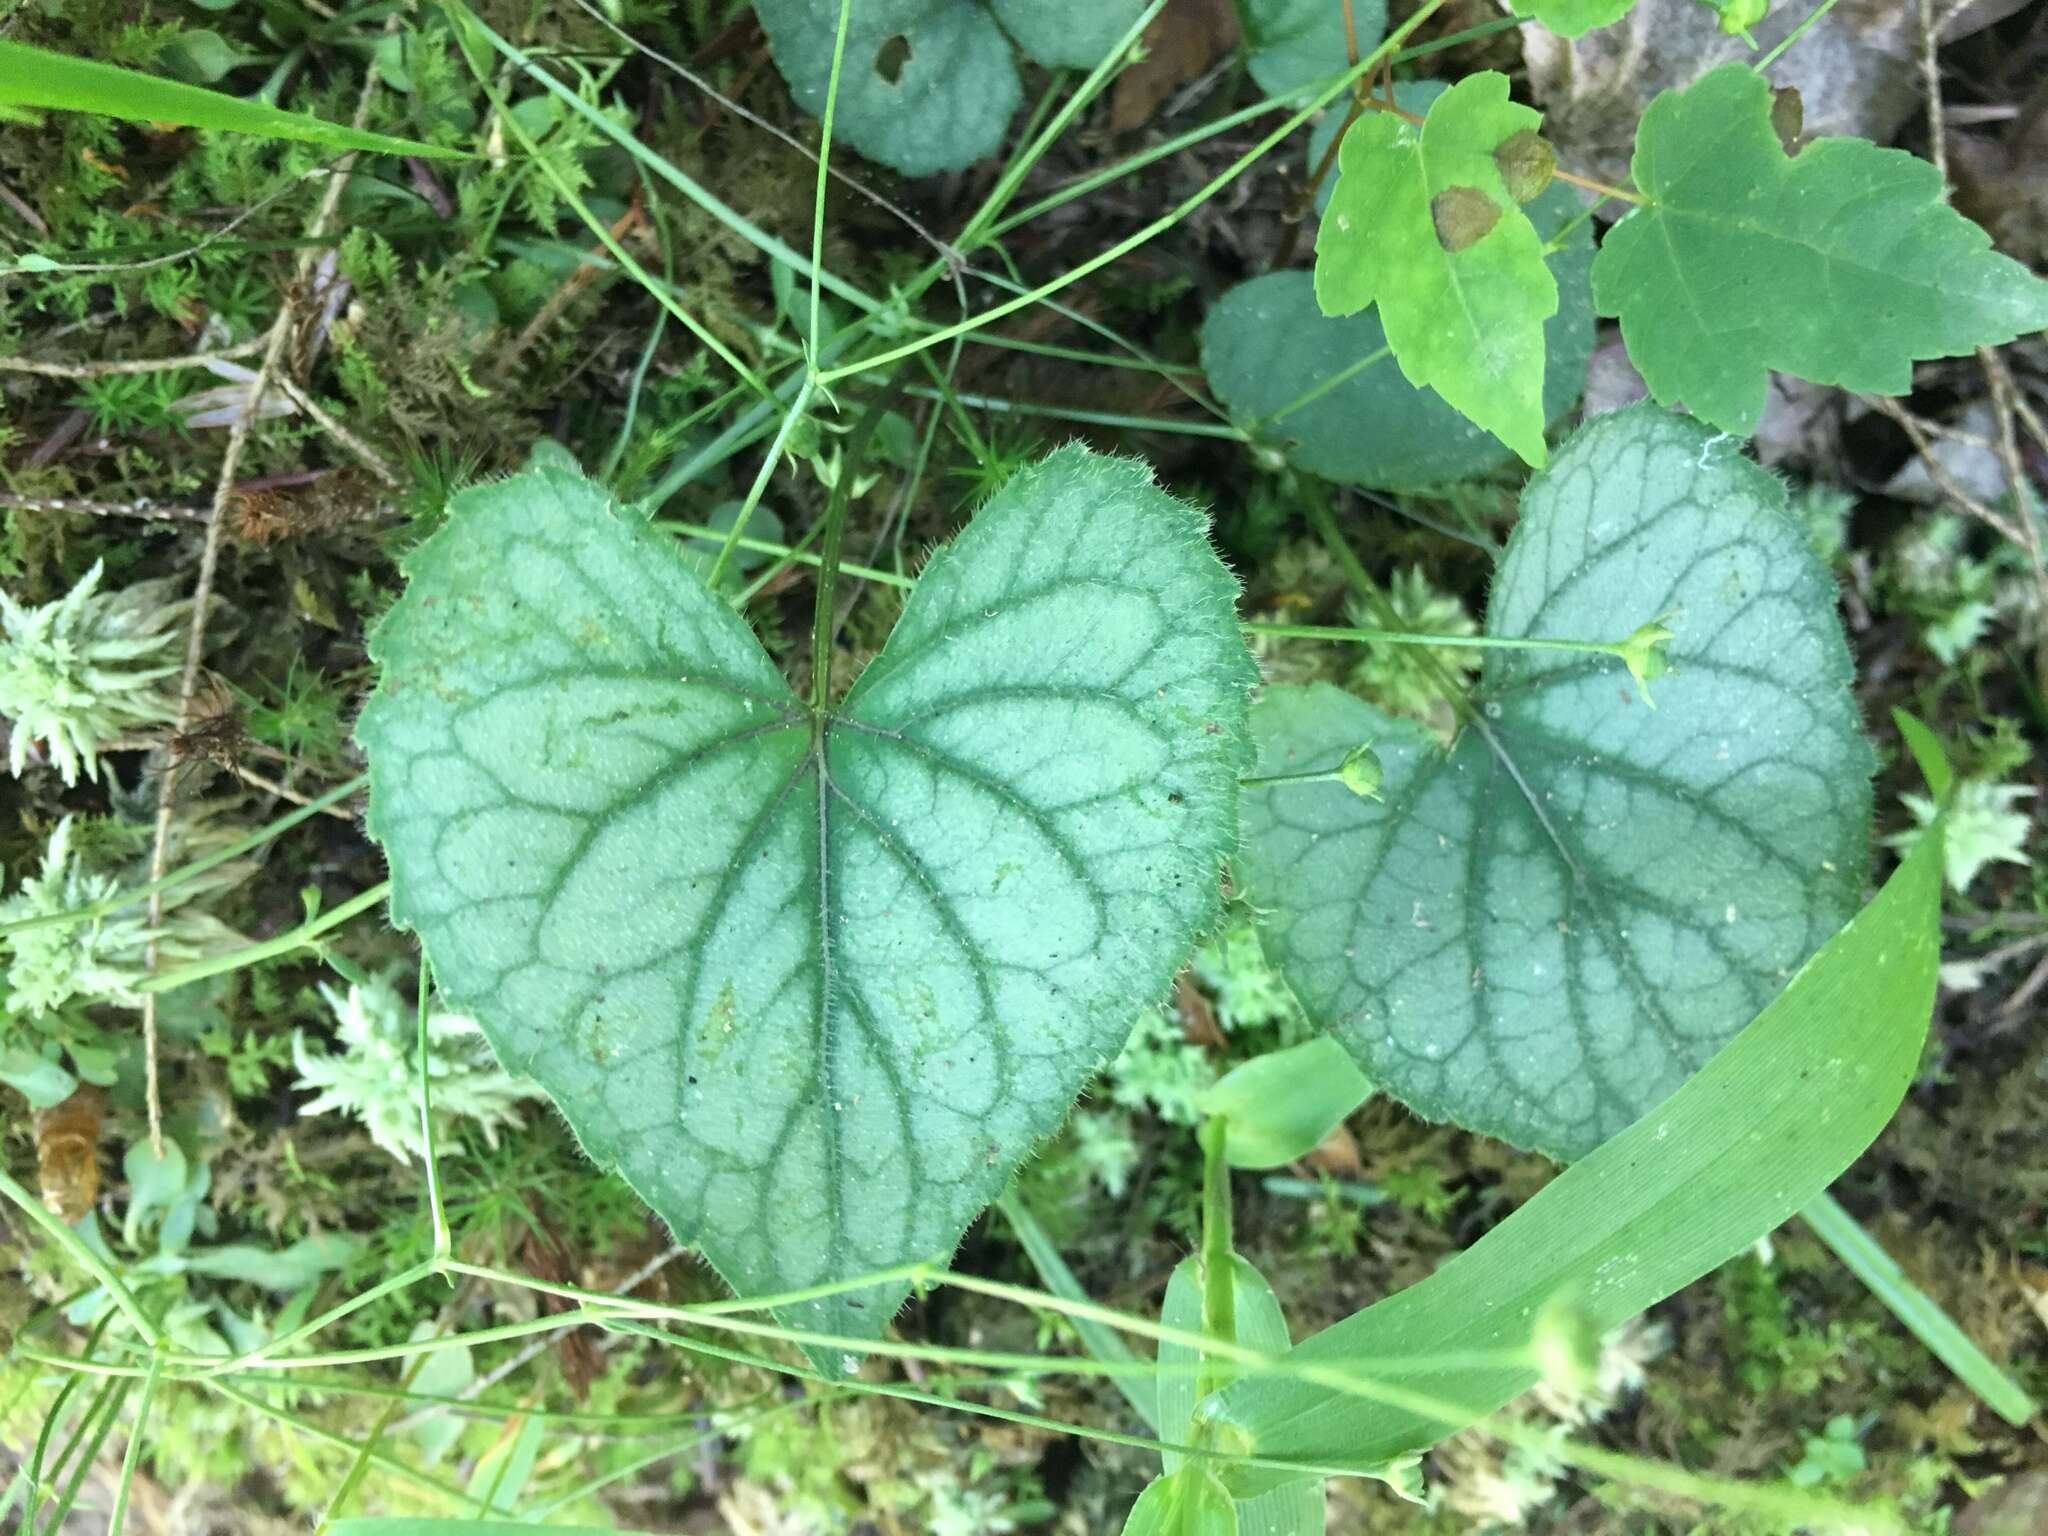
x: 1292, y: 42
x: 34, y: 77
x: 1422, y: 224
x: 814, y: 986
x: 1573, y: 18
x: 1191, y: 1502
x: 1100, y: 1340
x: 1765, y: 1127
x: 1295, y: 1508
x: 1330, y: 391
x: 1280, y: 1106
x: 1542, y: 932
x: 1841, y: 264
x: 930, y: 85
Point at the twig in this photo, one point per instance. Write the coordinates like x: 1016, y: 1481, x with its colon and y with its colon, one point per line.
x: 154, y: 511
x: 1938, y: 472
x: 219, y: 234
x: 2003, y: 398
x: 365, y: 454
x: 195, y: 639
x: 195, y: 646
x: 2029, y: 420
x: 2025, y: 992
x: 132, y: 365
x: 286, y: 792
x: 566, y: 295
x: 27, y: 215
x: 1931, y: 69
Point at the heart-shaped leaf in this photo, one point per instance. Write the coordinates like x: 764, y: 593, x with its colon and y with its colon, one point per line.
x: 1067, y: 34
x: 1541, y: 932
x: 1289, y: 43
x: 812, y: 984
x: 930, y: 85
x: 925, y: 85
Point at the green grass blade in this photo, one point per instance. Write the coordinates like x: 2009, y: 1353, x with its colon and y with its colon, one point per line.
x: 1099, y: 1339
x: 1747, y: 1142
x: 35, y: 77
x: 1921, y: 1313
x: 406, y: 1525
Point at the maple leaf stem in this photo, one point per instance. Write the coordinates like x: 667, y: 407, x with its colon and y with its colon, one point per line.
x: 1367, y: 100
x: 1621, y: 194
x: 1306, y: 198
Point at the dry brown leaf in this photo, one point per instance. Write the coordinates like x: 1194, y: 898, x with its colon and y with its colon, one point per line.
x: 1183, y: 40
x: 68, y: 1152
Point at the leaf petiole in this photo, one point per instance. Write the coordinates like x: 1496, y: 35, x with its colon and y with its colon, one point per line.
x: 1219, y: 1282
x: 1645, y: 652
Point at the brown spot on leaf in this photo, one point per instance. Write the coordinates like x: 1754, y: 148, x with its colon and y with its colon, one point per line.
x: 1463, y: 216
x: 1788, y: 117
x: 891, y: 57
x: 1527, y: 162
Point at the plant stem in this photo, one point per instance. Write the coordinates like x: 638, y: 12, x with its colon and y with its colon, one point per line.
x: 1587, y: 182
x: 1093, y: 418
x: 1101, y: 1341
x: 789, y: 552
x: 463, y: 22
x: 443, y: 1243
x: 1305, y: 202
x: 1793, y: 36
x: 301, y: 937
x: 1276, y: 780
x: 1621, y: 194
x: 185, y: 874
x: 774, y: 249
x: 824, y: 173
x: 1219, y: 1260
x: 83, y: 1256
x: 825, y: 618
x: 1316, y: 392
x: 1014, y: 173
x: 1414, y: 637
x: 766, y: 473
x: 1325, y: 525
x: 131, y: 1458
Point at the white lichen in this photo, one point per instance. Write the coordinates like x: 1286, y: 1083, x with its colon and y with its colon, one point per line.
x: 101, y: 959
x: 1986, y: 825
x: 87, y: 668
x: 375, y: 1076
